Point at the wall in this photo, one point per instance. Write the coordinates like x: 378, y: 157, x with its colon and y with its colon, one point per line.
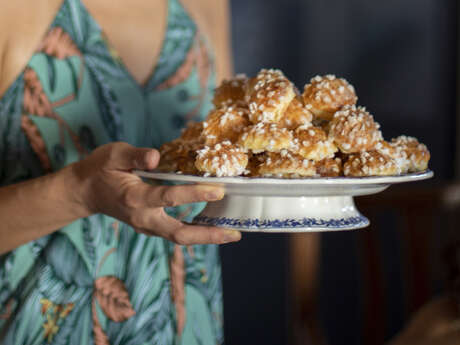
x: 400, y: 56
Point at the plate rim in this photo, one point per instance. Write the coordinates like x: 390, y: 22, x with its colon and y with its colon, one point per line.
x: 240, y: 180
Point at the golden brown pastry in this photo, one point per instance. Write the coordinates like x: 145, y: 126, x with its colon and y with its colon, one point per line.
x: 323, y: 124
x: 312, y: 143
x: 329, y: 167
x: 268, y: 96
x: 263, y: 126
x: 373, y: 163
x: 326, y: 95
x: 296, y: 115
x: 231, y: 91
x: 225, y: 123
x: 193, y: 132
x: 386, y: 148
x: 265, y: 137
x: 409, y: 154
x: 286, y: 165
x: 224, y: 159
x: 178, y: 156
x: 353, y: 129
x: 254, y: 161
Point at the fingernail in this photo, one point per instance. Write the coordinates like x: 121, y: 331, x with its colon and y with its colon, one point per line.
x: 231, y: 236
x: 211, y: 193
x: 214, y: 196
x: 152, y: 157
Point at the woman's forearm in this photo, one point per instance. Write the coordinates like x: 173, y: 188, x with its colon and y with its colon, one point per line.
x: 39, y: 206
x: 104, y: 183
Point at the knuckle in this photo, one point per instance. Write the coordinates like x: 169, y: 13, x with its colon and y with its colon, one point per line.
x: 179, y: 237
x: 159, y: 213
x: 130, y: 199
x: 112, y: 151
x: 167, y: 197
x: 197, y: 194
x: 137, y: 220
x: 216, y: 237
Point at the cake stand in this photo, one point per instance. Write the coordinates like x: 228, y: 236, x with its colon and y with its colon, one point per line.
x: 287, y: 205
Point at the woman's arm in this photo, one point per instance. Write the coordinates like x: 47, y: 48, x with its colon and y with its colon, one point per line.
x: 219, y: 16
x: 37, y: 207
x: 103, y: 183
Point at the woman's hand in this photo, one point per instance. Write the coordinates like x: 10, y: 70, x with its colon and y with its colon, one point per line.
x: 108, y: 186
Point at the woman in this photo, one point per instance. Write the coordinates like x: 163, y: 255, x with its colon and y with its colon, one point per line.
x: 76, y: 265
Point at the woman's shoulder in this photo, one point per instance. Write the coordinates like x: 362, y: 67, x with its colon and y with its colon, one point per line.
x: 22, y: 24
x: 213, y: 19
x: 207, y: 12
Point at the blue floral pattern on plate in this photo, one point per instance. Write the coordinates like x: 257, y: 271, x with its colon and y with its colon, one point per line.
x: 266, y: 224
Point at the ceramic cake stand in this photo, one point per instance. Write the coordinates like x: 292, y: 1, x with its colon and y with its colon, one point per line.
x: 287, y: 205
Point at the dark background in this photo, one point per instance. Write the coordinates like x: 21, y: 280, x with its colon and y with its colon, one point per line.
x: 401, y: 57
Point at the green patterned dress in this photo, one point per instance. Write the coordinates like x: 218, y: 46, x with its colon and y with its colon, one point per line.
x: 96, y: 281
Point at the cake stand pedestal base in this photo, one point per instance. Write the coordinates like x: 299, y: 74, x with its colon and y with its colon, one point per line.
x: 283, y: 214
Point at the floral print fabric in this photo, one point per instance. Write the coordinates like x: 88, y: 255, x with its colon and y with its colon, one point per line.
x: 96, y: 281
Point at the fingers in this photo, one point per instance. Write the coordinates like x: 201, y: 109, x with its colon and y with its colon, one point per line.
x: 185, y: 234
x: 123, y: 156
x: 144, y: 195
x: 168, y: 196
x: 158, y: 223
x: 146, y: 159
x: 193, y: 234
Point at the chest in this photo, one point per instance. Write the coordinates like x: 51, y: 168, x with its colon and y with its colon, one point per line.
x: 76, y: 92
x: 135, y: 31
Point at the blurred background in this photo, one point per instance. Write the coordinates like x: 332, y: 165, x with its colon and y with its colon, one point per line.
x: 401, y: 56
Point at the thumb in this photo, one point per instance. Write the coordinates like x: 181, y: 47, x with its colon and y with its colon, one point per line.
x: 129, y: 157
x: 146, y: 159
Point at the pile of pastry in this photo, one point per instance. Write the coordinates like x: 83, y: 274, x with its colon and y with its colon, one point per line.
x: 264, y: 127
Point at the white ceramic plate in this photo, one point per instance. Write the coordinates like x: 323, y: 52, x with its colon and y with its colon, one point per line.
x: 288, y: 205
x: 315, y: 186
